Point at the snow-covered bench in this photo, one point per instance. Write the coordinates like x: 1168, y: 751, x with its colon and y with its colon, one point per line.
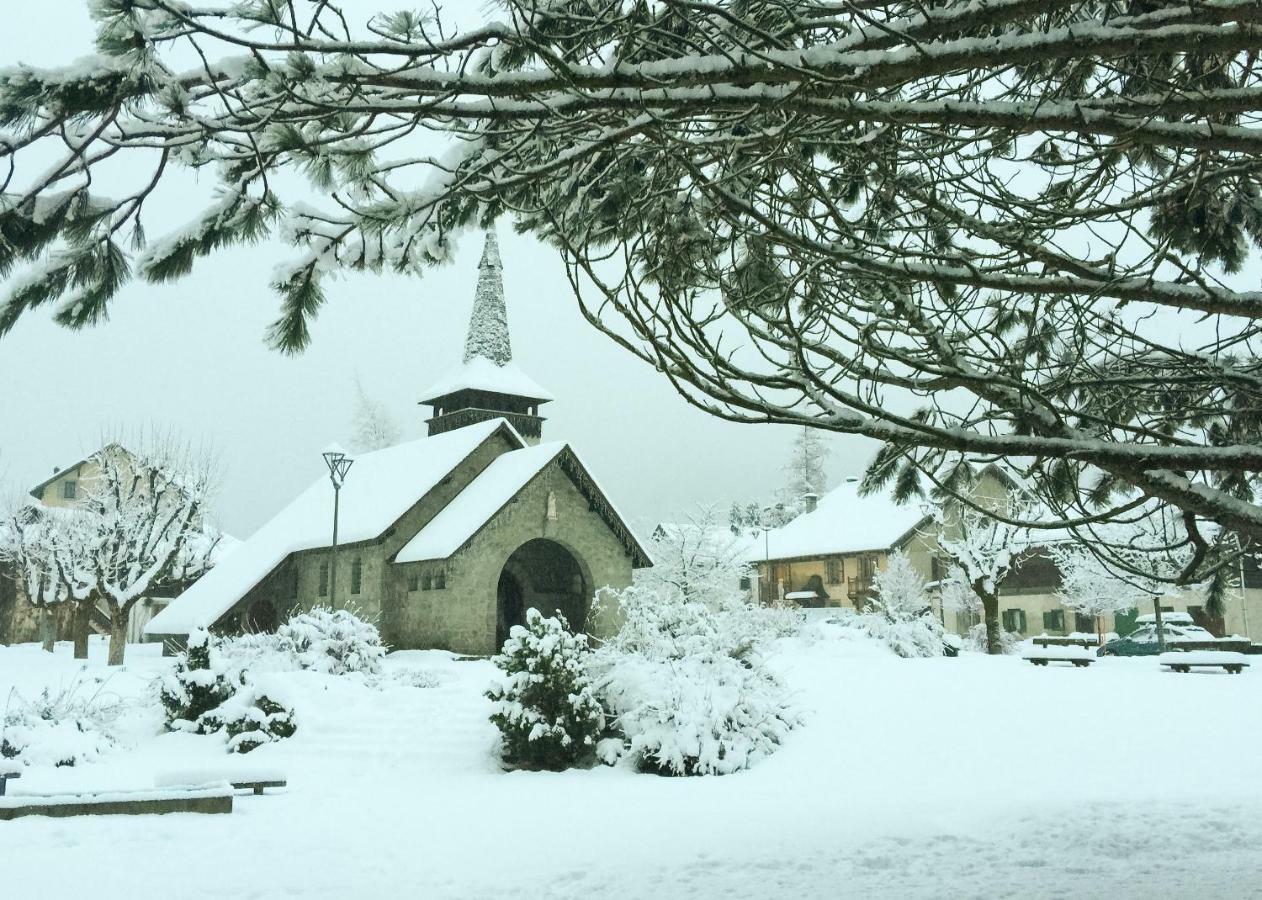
x: 7, y: 775
x: 1041, y: 656
x: 239, y: 778
x: 1187, y: 660
x: 207, y: 799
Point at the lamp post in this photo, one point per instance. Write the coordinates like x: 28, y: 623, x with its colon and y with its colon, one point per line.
x: 339, y: 464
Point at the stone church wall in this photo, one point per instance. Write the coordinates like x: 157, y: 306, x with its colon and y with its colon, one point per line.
x: 462, y: 616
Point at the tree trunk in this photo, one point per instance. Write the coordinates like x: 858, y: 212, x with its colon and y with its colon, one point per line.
x: 47, y: 628
x: 82, y: 626
x: 1161, y: 628
x: 994, y: 635
x: 118, y: 635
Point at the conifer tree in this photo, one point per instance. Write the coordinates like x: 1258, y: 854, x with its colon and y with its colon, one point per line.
x: 545, y: 708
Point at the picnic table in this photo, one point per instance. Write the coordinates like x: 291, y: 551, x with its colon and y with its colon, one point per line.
x: 1187, y: 660
x: 1077, y: 656
x: 256, y: 780
x: 7, y: 775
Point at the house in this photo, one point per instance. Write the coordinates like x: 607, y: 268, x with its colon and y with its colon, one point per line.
x: 66, y: 487
x: 830, y: 556
x: 445, y: 541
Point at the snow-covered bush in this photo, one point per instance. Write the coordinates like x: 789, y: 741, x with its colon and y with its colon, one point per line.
x: 332, y: 641
x: 252, y: 718
x: 902, y: 615
x: 975, y: 640
x: 57, y: 729
x: 405, y: 677
x: 704, y: 715
x: 684, y: 686
x: 203, y: 678
x: 545, y: 709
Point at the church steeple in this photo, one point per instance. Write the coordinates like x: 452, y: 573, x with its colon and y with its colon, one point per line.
x: 487, y: 384
x: 488, y: 323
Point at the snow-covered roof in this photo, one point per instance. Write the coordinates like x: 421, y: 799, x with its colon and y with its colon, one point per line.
x: 448, y: 531
x: 380, y: 488
x: 480, y: 374
x: 843, y: 522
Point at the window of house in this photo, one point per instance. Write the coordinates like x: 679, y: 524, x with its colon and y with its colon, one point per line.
x: 427, y: 582
x: 1014, y: 620
x: 1054, y: 620
x: 414, y: 581
x: 357, y: 575
x: 289, y: 581
x: 836, y: 571
x: 324, y: 579
x: 1084, y: 623
x: 440, y: 581
x: 966, y: 619
x: 69, y: 489
x: 746, y: 583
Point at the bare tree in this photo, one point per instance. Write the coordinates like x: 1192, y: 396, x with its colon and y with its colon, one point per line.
x: 1004, y: 229
x: 138, y: 526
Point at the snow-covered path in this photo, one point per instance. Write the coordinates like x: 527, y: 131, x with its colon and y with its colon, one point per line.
x: 970, y: 777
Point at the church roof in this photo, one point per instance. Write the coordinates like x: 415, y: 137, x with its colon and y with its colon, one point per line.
x: 488, y: 352
x: 490, y: 492
x: 380, y: 488
x: 480, y: 374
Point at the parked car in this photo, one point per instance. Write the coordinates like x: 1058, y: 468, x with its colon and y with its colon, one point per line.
x: 1143, y: 640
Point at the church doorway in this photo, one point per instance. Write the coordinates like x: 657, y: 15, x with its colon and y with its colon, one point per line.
x: 543, y: 575
x: 261, y: 618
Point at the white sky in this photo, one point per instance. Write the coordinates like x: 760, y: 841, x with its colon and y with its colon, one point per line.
x: 191, y: 356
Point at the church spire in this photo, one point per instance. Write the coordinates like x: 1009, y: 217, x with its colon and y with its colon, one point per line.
x: 488, y: 324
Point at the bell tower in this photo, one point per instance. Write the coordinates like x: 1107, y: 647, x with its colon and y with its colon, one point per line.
x: 487, y: 384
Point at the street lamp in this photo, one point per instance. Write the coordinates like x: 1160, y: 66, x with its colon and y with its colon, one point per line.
x: 339, y: 464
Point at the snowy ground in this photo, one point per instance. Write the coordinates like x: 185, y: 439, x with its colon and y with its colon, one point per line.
x: 972, y: 777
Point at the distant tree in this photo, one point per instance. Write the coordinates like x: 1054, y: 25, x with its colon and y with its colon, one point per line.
x: 983, y: 551
x: 49, y: 552
x: 902, y: 614
x: 373, y: 428
x: 697, y: 557
x: 805, y: 469
x: 1089, y: 588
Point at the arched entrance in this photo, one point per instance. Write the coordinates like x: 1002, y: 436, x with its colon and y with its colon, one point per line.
x: 261, y: 619
x: 544, y: 575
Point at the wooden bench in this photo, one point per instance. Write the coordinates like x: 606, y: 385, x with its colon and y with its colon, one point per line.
x: 215, y: 799
x: 256, y: 780
x: 1187, y: 660
x: 1078, y: 656
x: 7, y: 775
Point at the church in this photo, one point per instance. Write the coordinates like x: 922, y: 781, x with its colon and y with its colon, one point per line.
x: 446, y: 541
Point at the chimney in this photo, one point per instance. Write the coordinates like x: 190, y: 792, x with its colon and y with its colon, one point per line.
x: 809, y: 501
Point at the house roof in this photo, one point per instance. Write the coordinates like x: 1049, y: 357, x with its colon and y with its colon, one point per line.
x: 843, y: 522
x: 380, y: 487
x: 481, y: 374
x: 38, y: 491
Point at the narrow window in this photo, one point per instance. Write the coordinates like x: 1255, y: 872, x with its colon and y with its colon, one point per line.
x: 835, y: 571
x: 324, y: 579
x: 440, y: 581
x: 427, y: 582
x: 69, y: 490
x: 414, y: 581
x: 357, y: 575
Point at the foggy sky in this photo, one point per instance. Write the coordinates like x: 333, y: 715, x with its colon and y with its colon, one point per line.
x: 190, y: 356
